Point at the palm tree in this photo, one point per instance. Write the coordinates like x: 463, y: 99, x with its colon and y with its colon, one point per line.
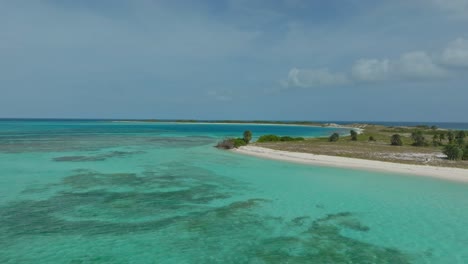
x: 247, y: 136
x: 441, y: 137
x: 460, y: 137
x: 450, y: 137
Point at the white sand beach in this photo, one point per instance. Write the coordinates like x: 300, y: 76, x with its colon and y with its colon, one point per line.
x: 453, y: 174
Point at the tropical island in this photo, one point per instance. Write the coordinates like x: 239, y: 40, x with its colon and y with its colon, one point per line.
x: 420, y: 150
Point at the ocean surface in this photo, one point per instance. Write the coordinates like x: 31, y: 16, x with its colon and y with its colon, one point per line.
x: 109, y: 192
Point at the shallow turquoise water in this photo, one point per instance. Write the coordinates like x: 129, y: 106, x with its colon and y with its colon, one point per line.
x: 103, y: 192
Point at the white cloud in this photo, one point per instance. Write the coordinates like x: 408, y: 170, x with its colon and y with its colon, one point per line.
x: 314, y: 78
x: 371, y: 70
x: 411, y: 66
x: 418, y: 65
x: 456, y: 53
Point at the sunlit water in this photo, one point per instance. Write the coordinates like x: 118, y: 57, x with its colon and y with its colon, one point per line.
x: 104, y: 192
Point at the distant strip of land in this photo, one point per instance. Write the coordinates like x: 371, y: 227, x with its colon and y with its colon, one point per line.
x: 453, y: 174
x: 244, y: 122
x: 258, y: 122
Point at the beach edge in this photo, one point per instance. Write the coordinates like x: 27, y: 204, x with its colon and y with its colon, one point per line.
x: 444, y: 173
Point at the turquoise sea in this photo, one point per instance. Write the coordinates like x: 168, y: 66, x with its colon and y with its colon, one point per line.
x: 109, y: 192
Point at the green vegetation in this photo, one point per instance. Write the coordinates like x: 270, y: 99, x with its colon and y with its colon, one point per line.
x: 353, y: 135
x: 227, y: 143
x: 275, y: 138
x: 374, y: 143
x: 395, y: 140
x: 334, y: 137
x: 460, y: 138
x: 441, y: 137
x: 239, y: 142
x: 436, y: 140
x: 247, y: 136
x: 268, y: 138
x: 450, y: 137
x: 418, y: 139
x: 230, y: 143
x: 453, y: 152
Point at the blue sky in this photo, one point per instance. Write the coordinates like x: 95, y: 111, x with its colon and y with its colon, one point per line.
x: 225, y: 59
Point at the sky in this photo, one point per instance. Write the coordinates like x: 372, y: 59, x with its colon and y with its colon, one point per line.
x: 395, y: 60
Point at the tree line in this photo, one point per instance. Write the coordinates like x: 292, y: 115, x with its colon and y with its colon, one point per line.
x: 454, y: 143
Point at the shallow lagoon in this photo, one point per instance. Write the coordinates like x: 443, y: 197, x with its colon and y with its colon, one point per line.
x: 104, y: 192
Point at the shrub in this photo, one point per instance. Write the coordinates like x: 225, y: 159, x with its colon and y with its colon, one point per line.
x: 460, y: 134
x: 418, y: 139
x: 238, y: 142
x: 465, y: 153
x: 460, y: 141
x: 353, y: 135
x: 247, y: 136
x: 453, y: 152
x: 434, y: 127
x: 275, y: 138
x: 268, y: 138
x: 371, y: 138
x: 334, y: 137
x: 230, y: 143
x: 395, y: 140
x: 227, y: 143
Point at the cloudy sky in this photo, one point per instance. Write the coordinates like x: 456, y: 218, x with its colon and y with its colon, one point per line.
x: 395, y: 60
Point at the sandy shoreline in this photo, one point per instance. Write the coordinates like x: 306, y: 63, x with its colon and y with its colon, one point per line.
x: 452, y: 174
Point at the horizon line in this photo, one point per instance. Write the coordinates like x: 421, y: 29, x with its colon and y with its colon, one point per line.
x: 215, y: 120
